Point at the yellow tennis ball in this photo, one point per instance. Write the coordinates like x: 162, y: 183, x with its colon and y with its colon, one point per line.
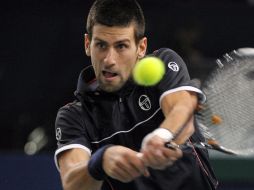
x: 148, y: 71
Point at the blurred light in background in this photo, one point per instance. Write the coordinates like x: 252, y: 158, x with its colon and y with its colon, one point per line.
x: 37, y: 139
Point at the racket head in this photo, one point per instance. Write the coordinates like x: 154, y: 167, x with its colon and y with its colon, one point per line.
x: 227, y: 117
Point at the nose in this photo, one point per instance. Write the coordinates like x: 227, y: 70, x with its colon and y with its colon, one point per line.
x: 110, y: 58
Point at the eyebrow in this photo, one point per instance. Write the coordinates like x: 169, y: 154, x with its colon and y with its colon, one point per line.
x: 117, y: 42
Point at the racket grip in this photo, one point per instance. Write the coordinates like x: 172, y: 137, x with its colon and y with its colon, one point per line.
x: 174, y: 146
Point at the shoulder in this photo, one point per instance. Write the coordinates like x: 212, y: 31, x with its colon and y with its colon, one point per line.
x: 70, y: 111
x: 166, y: 54
x: 174, y: 63
x: 171, y: 59
x: 74, y: 106
x: 163, y: 50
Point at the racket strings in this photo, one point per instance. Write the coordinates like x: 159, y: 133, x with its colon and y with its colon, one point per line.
x: 230, y: 95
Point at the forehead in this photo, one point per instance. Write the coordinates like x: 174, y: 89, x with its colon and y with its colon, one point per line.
x: 112, y: 34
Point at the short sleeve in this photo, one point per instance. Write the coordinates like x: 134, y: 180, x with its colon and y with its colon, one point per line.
x: 70, y: 130
x: 177, y: 76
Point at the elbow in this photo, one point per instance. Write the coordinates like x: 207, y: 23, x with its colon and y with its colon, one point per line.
x: 69, y: 182
x: 66, y: 182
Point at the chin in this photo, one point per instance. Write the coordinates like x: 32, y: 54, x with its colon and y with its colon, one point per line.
x: 111, y: 88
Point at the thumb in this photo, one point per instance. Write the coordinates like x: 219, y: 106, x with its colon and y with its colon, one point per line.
x: 146, y: 173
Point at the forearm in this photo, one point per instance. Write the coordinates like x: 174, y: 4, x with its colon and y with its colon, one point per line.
x: 78, y: 178
x: 178, y: 110
x: 180, y: 113
x: 176, y: 119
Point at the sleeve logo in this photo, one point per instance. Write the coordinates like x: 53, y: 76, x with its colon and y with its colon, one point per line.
x: 173, y: 66
x: 58, y: 134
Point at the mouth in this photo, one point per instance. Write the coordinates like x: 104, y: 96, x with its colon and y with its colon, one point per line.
x: 109, y: 74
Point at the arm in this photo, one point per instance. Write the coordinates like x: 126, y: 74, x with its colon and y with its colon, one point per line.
x: 178, y: 108
x: 119, y: 162
x: 73, y: 171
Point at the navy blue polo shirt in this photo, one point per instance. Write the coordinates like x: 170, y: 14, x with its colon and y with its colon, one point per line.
x: 125, y: 117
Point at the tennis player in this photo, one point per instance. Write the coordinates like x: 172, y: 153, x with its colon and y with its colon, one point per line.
x: 112, y: 136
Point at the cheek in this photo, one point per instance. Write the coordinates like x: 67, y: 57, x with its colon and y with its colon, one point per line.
x: 127, y: 69
x: 96, y: 67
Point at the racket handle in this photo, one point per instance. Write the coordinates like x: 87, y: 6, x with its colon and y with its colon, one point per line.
x: 187, y: 145
x: 201, y: 145
x: 174, y: 146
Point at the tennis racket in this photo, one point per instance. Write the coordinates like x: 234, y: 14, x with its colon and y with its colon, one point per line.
x: 227, y: 118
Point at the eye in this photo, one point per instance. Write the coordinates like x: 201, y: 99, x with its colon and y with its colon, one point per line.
x: 101, y: 45
x: 122, y: 46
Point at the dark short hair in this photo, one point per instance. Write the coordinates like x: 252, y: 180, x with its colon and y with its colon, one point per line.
x: 116, y: 13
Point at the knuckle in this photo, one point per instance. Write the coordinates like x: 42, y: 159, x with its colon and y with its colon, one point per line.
x: 114, y: 170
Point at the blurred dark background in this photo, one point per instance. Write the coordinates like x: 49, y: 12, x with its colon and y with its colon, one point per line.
x: 41, y: 55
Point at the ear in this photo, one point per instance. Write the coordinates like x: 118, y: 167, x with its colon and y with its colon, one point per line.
x: 87, y: 45
x: 142, y: 46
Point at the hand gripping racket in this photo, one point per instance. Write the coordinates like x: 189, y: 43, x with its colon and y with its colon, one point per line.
x: 227, y: 118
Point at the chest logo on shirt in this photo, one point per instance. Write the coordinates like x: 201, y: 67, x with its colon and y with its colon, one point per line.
x: 58, y: 134
x: 173, y: 66
x: 144, y: 102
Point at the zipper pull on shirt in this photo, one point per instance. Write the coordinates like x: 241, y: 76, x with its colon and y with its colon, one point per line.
x: 121, y: 106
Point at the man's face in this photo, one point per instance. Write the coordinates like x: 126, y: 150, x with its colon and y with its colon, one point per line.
x: 113, y: 54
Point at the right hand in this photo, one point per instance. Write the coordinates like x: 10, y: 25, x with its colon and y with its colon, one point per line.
x: 123, y: 164
x: 156, y: 155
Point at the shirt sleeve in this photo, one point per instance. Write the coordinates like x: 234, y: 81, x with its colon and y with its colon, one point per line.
x: 70, y: 130
x: 176, y: 77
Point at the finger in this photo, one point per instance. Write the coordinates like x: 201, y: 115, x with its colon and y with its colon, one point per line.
x: 155, y: 159
x: 141, y: 169
x: 128, y: 170
x: 172, y: 153
x: 134, y: 165
x: 146, y: 173
x: 118, y: 171
x: 120, y: 175
x: 148, y: 159
x: 164, y: 161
